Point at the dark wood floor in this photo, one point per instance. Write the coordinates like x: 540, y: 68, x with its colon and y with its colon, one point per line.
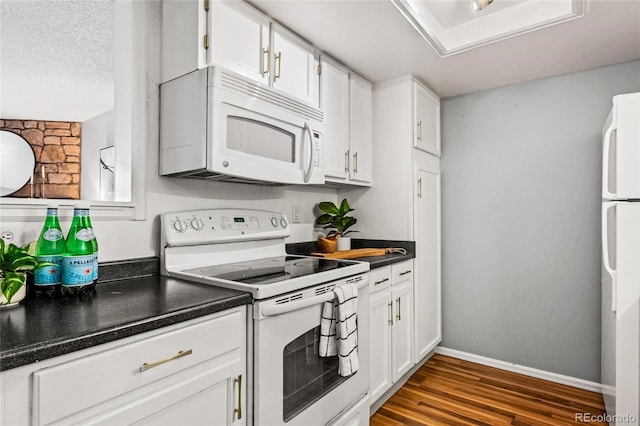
x: 448, y: 391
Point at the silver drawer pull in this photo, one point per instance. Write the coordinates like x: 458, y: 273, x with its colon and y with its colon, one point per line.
x: 405, y: 272
x: 384, y: 280
x: 148, y: 366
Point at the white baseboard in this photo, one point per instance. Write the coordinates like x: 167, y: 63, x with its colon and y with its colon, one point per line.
x: 521, y: 369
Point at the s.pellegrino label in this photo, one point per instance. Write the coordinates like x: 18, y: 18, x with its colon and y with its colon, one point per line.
x: 50, y: 274
x: 52, y: 235
x: 77, y: 270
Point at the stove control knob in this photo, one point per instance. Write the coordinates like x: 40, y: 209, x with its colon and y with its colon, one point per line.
x: 179, y: 225
x: 274, y: 221
x: 197, y: 224
x: 283, y: 222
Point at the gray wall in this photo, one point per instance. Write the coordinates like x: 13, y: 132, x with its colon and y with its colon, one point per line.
x: 521, y: 219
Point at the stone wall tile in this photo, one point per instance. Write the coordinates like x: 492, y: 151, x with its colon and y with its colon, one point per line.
x: 72, y: 140
x: 57, y: 132
x: 57, y: 125
x: 71, y: 149
x: 53, y: 154
x: 62, y: 191
x: 52, y: 140
x: 33, y: 136
x: 30, y: 124
x: 75, y: 178
x: 13, y: 124
x: 76, y: 129
x: 72, y: 159
x: 59, y: 178
x: 69, y: 167
x: 41, y: 125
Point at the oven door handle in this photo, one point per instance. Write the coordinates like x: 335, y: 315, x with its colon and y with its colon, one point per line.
x: 273, y: 310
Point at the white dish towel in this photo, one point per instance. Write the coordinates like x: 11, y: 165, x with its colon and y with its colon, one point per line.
x: 339, y: 329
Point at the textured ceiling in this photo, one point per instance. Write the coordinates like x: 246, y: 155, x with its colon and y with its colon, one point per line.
x: 56, y: 59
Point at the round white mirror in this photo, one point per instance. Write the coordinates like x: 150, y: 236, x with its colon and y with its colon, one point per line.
x: 17, y: 162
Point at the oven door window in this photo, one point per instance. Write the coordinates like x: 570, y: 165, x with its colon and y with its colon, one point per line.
x: 307, y: 377
x: 260, y: 139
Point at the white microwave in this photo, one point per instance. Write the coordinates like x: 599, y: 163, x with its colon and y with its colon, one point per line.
x: 217, y: 124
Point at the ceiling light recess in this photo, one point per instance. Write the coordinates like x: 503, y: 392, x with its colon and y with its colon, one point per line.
x: 452, y: 27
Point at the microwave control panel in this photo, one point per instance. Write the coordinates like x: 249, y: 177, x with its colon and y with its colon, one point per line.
x: 221, y: 225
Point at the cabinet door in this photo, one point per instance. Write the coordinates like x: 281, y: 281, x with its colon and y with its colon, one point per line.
x: 426, y: 120
x: 402, y: 333
x: 427, y: 288
x: 380, y: 343
x: 239, y: 39
x: 360, y: 130
x: 182, y: 38
x: 294, y: 65
x: 334, y: 100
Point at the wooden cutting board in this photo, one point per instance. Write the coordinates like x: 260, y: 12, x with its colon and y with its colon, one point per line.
x: 353, y: 254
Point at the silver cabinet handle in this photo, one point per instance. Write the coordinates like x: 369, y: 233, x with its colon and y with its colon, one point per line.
x: 267, y: 62
x: 405, y: 272
x: 355, y: 163
x: 238, y: 411
x: 148, y: 366
x: 420, y: 188
x: 384, y: 280
x: 420, y: 130
x: 390, y: 313
x: 398, y: 314
x: 278, y: 66
x: 346, y: 162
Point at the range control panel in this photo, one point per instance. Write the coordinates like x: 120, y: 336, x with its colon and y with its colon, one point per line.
x: 221, y: 225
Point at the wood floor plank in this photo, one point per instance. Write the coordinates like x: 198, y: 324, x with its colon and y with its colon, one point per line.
x: 449, y: 391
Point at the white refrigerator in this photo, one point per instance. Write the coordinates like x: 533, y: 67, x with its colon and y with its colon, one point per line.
x: 620, y: 374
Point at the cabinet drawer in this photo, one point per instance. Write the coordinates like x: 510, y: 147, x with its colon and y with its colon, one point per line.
x: 65, y: 389
x: 379, y: 279
x: 401, y: 272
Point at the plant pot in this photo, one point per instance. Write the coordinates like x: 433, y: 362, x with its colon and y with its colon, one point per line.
x: 327, y: 245
x: 344, y: 243
x: 14, y: 289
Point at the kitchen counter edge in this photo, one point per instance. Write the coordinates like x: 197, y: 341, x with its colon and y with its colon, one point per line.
x: 117, y: 322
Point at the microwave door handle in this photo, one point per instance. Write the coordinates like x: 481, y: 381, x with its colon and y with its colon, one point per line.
x: 307, y: 173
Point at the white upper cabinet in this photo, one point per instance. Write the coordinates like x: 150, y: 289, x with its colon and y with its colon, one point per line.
x: 239, y: 39
x: 348, y: 145
x: 426, y: 111
x: 294, y: 65
x: 360, y: 129
x: 231, y: 33
x: 334, y: 100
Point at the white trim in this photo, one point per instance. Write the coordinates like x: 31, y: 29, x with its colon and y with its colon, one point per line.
x: 521, y: 369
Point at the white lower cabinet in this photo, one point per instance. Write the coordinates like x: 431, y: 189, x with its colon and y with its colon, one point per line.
x: 189, y: 373
x: 391, y: 325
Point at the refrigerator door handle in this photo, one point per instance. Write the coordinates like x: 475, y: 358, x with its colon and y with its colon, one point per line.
x: 605, y: 253
x: 608, y: 135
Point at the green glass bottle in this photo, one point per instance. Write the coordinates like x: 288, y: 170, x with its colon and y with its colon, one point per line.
x: 77, y: 260
x: 49, y: 248
x: 94, y: 244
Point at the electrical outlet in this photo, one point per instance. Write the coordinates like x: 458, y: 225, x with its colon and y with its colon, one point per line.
x: 7, y: 236
x: 295, y: 213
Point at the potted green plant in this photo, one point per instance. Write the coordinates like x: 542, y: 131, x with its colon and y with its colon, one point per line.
x: 15, y: 262
x: 337, y: 220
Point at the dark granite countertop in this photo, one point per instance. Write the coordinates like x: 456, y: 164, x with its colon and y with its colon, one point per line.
x: 374, y: 261
x: 40, y: 329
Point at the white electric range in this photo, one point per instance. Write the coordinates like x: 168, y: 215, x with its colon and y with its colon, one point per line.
x: 245, y: 250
